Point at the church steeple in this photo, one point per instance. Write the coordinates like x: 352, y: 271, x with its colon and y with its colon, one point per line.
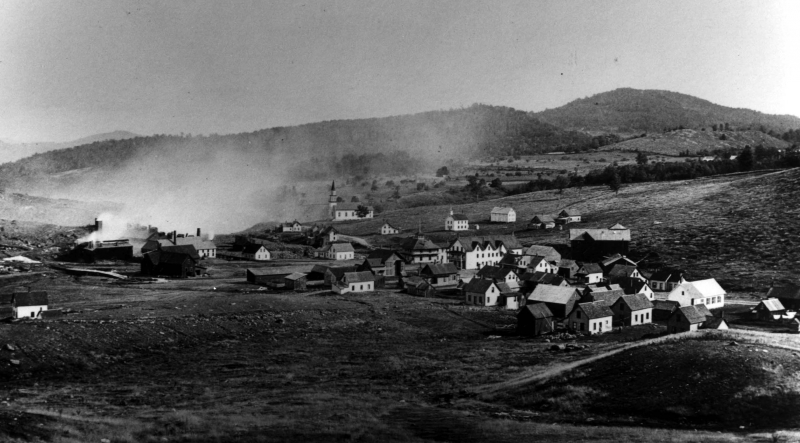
x: 332, y: 198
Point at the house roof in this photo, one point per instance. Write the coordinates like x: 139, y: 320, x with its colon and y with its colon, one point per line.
x: 665, y: 305
x: 703, y: 309
x: 713, y: 323
x: 353, y: 206
x: 636, y: 302
x: 295, y: 276
x: 391, y: 226
x: 319, y: 268
x: 569, y: 213
x: 495, y: 272
x: 33, y: 298
x: 417, y: 282
x: 622, y: 270
x: 543, y: 218
x: 547, y: 252
x: 543, y: 277
x: 163, y: 255
x: 667, y: 275
x: 418, y: 243
x: 470, y: 242
x: 458, y: 217
x: 439, y: 269
x: 7, y: 298
x: 600, y: 234
x: 790, y: 291
x: 617, y: 227
x: 567, y: 263
x: 596, y: 310
x: 341, y: 247
x: 197, y: 242
x: 692, y: 314
x: 359, y: 277
x: 381, y: 255
x: 590, y: 268
x: 708, y: 287
x: 268, y: 271
x: 617, y: 257
x: 504, y: 288
x: 252, y: 249
x: 536, y: 259
x: 339, y: 271
x: 502, y: 210
x: 479, y: 285
x: 537, y: 310
x: 552, y: 294
x: 773, y: 304
x: 633, y: 285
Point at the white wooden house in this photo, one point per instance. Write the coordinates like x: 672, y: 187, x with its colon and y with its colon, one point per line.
x: 355, y: 282
x: 702, y: 292
x: 503, y: 215
x: 539, y: 263
x: 569, y: 216
x: 30, y: 304
x: 686, y: 318
x: 337, y: 251
x: 542, y: 221
x: 349, y: 211
x: 590, y: 273
x: 256, y: 252
x: 666, y: 280
x: 456, y: 222
x: 294, y: 226
x: 484, y: 292
x: 632, y: 310
x: 388, y: 229
x: 477, y: 252
x: 592, y: 318
x: 499, y: 275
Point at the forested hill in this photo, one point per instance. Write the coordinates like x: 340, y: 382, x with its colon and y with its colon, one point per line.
x: 629, y: 110
x: 430, y: 137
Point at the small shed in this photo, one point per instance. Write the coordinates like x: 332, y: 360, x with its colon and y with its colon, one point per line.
x: 770, y: 309
x: 30, y: 304
x: 663, y: 309
x: 419, y: 286
x: 534, y: 319
x: 296, y: 281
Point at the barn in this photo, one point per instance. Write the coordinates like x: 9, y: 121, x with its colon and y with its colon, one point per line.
x: 534, y: 319
x: 295, y: 281
x: 559, y: 299
x: 266, y: 275
x: 419, y: 286
x: 594, y: 244
x: 770, y: 309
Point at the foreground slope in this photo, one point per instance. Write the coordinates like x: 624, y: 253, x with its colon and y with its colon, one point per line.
x: 635, y: 110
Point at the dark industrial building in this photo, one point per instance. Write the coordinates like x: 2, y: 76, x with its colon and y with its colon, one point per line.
x: 596, y: 244
x: 166, y: 263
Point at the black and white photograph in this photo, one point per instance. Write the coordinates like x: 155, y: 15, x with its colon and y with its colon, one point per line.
x: 399, y: 221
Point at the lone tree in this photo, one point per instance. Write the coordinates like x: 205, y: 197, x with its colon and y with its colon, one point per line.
x: 641, y: 158
x: 362, y: 211
x: 615, y: 183
x: 745, y: 159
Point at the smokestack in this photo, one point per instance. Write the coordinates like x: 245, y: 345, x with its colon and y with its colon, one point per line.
x: 98, y: 225
x: 174, y: 237
x: 198, y: 232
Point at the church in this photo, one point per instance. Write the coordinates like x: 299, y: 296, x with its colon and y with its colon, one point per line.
x: 346, y: 211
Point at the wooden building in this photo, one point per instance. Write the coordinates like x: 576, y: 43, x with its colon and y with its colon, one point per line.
x: 499, y: 275
x: 542, y: 221
x: 663, y: 310
x: 384, y: 262
x: 686, y: 318
x: 475, y: 252
x: 30, y: 304
x: 503, y: 215
x: 592, y: 318
x: 535, y: 319
x: 169, y: 263
x: 355, y: 282
x: 594, y: 244
x: 484, y: 292
x: 770, y: 309
x: 388, y: 229
x: 589, y: 273
x: 420, y: 249
x: 568, y: 268
x: 256, y: 252
x: 632, y: 310
x: 667, y: 279
x: 419, y: 287
x: 548, y: 252
x: 569, y: 216
x: 701, y: 292
x: 456, y: 222
x: 440, y: 274
x: 559, y: 299
x: 263, y: 276
x: 295, y: 281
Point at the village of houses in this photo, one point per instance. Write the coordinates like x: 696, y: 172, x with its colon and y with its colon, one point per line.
x: 598, y: 290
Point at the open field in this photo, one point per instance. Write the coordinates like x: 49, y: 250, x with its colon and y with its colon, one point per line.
x: 694, y: 141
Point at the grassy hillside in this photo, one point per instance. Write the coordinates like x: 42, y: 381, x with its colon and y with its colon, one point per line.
x: 633, y: 110
x: 742, y: 230
x: 696, y: 383
x: 10, y: 151
x: 675, y: 142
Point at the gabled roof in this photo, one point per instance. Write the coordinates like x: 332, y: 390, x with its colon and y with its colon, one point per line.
x: 469, y: 242
x: 567, y: 263
x: 692, y: 314
x: 7, y: 298
x: 667, y: 275
x: 295, y: 276
x: 320, y: 268
x: 417, y: 282
x: 617, y: 227
x: 479, y: 285
x: 622, y: 271
x: 499, y: 210
x: 504, y: 288
x: 439, y: 269
x: 495, y: 272
x: 252, y: 249
x: 543, y: 277
x: 635, y: 302
x: 569, y: 213
x: 596, y: 310
x: 341, y: 247
x: 197, y: 242
x: 458, y: 217
x: 552, y: 294
x: 359, y: 277
x: 163, y: 255
x: 182, y: 249
x: 788, y: 292
x: 547, y: 252
x: 391, y: 226
x: 543, y: 218
x: 708, y: 287
x: 616, y: 258
x: 418, y: 243
x: 703, y: 309
x: 599, y: 235
x: 537, y: 310
x: 590, y: 268
x: 339, y: 271
x: 713, y: 323
x: 773, y: 304
x: 381, y: 255
x: 633, y: 285
x: 33, y: 298
x: 268, y: 271
x: 536, y: 259
x: 665, y: 305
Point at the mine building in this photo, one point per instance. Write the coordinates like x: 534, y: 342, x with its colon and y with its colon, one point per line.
x: 205, y: 248
x: 594, y: 244
x: 169, y: 262
x: 99, y: 250
x: 266, y: 276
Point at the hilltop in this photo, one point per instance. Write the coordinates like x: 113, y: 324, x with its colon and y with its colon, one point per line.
x: 694, y: 141
x: 11, y: 151
x: 630, y: 110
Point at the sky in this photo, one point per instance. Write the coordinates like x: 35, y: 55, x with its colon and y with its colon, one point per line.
x: 69, y: 69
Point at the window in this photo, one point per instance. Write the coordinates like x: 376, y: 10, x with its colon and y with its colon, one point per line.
x: 594, y: 326
x: 578, y: 314
x: 361, y: 288
x: 647, y: 316
x: 635, y: 318
x: 33, y: 314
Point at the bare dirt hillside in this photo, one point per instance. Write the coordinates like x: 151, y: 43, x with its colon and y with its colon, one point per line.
x: 675, y: 142
x: 23, y: 207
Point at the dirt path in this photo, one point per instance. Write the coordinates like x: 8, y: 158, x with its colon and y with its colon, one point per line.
x: 488, y: 390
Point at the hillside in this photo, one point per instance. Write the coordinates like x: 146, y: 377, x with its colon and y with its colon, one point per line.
x: 693, y: 383
x: 629, y: 110
x: 10, y: 151
x: 742, y: 230
x: 675, y: 142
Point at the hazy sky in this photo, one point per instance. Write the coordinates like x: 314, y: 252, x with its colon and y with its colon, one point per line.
x: 74, y: 68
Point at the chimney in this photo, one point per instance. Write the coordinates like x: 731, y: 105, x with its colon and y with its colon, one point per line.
x: 174, y: 237
x: 198, y: 232
x: 98, y: 225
